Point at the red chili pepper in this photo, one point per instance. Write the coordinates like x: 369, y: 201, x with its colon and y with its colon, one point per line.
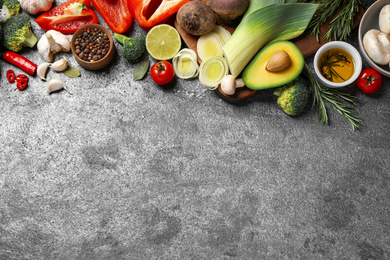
x: 21, y: 76
x: 150, y: 13
x: 115, y: 13
x: 11, y: 76
x: 22, y: 84
x: 65, y: 20
x: 20, y: 62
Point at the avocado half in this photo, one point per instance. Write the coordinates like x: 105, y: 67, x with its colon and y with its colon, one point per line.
x: 255, y: 76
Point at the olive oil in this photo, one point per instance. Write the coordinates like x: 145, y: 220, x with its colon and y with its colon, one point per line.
x: 336, y: 65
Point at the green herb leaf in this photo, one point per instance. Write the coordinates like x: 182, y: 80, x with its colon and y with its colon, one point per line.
x: 335, y: 98
x: 72, y: 72
x: 141, y: 69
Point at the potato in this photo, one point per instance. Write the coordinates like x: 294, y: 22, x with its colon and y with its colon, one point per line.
x: 196, y: 18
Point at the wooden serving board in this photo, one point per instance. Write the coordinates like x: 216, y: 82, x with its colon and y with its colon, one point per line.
x: 306, y: 43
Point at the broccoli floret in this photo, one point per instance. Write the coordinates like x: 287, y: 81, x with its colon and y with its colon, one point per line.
x: 294, y: 96
x: 17, y: 33
x: 11, y: 7
x: 133, y: 48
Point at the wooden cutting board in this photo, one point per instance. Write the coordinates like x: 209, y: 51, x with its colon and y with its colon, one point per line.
x: 306, y: 43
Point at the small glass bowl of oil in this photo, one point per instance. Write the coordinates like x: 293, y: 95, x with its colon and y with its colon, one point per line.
x: 337, y: 64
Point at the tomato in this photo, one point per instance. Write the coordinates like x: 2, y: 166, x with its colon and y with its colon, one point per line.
x: 162, y: 72
x: 369, y: 81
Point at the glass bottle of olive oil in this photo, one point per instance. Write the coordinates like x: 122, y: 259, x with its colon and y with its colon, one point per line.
x: 336, y: 65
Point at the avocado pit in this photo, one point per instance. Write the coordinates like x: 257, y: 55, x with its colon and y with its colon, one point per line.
x: 279, y: 61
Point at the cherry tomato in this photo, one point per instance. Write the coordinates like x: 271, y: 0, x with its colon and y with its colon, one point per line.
x: 369, y: 81
x: 162, y: 72
x: 11, y: 76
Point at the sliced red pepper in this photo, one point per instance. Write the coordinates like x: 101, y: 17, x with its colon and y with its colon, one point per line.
x: 68, y: 17
x: 115, y: 13
x: 22, y: 83
x: 21, y: 62
x: 21, y: 76
x: 150, y: 13
x: 11, y: 76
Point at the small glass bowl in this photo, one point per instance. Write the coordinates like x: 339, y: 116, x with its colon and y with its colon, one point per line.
x: 348, y: 48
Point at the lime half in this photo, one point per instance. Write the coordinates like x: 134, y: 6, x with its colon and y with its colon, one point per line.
x: 163, y: 42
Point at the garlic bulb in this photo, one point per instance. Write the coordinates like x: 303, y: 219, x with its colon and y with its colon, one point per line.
x: 52, y: 42
x: 35, y: 6
x: 55, y: 85
x: 42, y: 69
x: 60, y: 65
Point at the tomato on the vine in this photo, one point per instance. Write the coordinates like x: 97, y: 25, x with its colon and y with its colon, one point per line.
x: 162, y: 72
x: 369, y: 81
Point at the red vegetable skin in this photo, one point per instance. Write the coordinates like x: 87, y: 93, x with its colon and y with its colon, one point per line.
x: 115, y: 13
x: 162, y: 72
x: 150, y: 13
x: 369, y: 81
x: 11, y: 76
x: 21, y: 62
x: 22, y: 83
x: 61, y: 19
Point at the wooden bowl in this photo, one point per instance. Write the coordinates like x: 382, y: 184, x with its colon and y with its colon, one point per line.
x: 94, y: 65
x: 241, y: 94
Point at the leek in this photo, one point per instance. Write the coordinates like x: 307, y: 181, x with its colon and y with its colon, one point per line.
x: 212, y: 71
x: 209, y: 45
x: 261, y: 26
x: 223, y: 33
x: 185, y: 64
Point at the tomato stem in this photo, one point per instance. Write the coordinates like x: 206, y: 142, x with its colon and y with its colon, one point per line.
x: 370, y: 79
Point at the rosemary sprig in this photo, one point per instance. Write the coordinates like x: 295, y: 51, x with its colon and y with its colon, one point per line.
x: 340, y: 27
x: 335, y: 99
x: 325, y: 11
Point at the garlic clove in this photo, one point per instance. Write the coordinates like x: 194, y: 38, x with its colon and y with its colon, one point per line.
x: 55, y: 85
x: 42, y: 69
x: 60, y: 65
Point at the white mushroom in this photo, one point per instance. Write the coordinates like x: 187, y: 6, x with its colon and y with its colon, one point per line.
x: 377, y: 46
x: 51, y: 43
x: 384, y: 19
x: 229, y: 84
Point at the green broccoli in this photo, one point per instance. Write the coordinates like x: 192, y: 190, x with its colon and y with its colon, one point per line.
x: 133, y: 48
x: 17, y: 33
x: 11, y: 7
x: 294, y: 96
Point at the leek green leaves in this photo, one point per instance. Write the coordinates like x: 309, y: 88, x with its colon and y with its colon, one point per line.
x: 265, y: 22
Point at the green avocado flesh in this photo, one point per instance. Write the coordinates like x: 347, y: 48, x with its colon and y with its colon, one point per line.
x: 255, y: 75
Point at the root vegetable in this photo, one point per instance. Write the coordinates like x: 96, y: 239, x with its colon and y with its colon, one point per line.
x: 35, y: 6
x: 196, y: 18
x: 229, y: 12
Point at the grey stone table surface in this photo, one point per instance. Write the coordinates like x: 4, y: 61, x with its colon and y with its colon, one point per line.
x: 124, y: 169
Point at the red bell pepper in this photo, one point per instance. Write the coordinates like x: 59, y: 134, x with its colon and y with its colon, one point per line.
x: 149, y: 13
x: 68, y: 17
x: 115, y: 13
